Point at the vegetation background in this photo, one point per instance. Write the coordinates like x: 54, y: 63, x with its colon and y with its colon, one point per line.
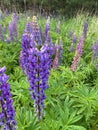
x: 65, y: 7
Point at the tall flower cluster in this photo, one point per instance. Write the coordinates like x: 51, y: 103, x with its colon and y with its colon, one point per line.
x: 95, y: 54
x: 78, y: 54
x: 36, y: 62
x: 7, y: 112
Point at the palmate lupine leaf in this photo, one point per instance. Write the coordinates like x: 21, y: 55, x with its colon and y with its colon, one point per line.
x: 26, y: 120
x: 73, y: 127
x: 20, y: 93
x: 86, y: 100
x: 63, y: 117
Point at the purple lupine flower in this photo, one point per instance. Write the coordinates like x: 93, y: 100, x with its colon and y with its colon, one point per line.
x: 85, y: 29
x: 47, y: 26
x: 74, y: 40
x: 1, y: 33
x: 78, y: 54
x: 36, y: 62
x: 95, y: 54
x: 7, y: 113
x: 58, y: 30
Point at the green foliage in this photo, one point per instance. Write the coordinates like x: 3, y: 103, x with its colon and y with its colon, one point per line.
x: 26, y: 120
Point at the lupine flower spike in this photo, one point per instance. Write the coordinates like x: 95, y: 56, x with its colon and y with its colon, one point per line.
x: 36, y: 61
x: 78, y: 54
x: 7, y: 113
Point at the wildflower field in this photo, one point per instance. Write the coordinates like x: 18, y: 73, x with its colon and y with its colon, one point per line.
x: 48, y: 72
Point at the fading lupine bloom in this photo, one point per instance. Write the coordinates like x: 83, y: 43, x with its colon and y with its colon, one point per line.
x: 58, y: 54
x: 95, y: 54
x: 7, y: 113
x: 85, y: 29
x: 58, y: 30
x: 74, y: 40
x: 47, y: 26
x: 36, y: 62
x: 1, y: 33
x: 78, y: 54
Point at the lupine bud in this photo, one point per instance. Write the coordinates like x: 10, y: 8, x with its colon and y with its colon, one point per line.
x: 36, y: 31
x: 78, y: 54
x: 28, y: 26
x: 7, y: 113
